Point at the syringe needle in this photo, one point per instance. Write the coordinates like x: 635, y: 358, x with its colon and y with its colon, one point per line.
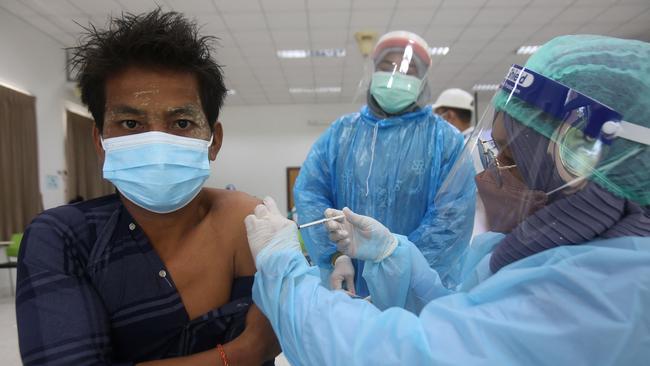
x: 320, y: 221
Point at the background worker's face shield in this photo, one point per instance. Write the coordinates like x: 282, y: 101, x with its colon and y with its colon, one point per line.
x: 396, y: 76
x: 540, y: 142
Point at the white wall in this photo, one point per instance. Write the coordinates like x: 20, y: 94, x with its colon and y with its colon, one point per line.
x: 35, y: 63
x: 260, y: 142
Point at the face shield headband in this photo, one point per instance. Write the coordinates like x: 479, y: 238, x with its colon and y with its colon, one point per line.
x: 599, y: 122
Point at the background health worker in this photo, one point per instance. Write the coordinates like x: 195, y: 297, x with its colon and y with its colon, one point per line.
x: 388, y: 161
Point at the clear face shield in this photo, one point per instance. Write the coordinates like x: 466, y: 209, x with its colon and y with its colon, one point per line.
x: 542, y: 141
x: 539, y: 142
x: 396, y: 74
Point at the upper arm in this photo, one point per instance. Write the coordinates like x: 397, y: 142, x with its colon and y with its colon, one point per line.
x: 61, y: 318
x: 242, y: 206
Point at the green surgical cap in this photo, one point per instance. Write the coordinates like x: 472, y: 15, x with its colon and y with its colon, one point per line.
x: 615, y: 72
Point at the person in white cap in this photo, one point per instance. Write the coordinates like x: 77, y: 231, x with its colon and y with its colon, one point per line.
x: 388, y: 161
x: 456, y: 107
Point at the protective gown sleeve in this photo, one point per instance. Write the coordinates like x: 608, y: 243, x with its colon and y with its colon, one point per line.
x: 445, y: 230
x: 313, y: 194
x: 404, y: 279
x: 556, y: 314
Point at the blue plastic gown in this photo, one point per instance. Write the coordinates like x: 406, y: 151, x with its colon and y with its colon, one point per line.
x: 380, y: 167
x: 571, y: 305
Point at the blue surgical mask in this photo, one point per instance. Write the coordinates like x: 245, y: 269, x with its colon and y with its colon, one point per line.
x: 394, y: 91
x: 157, y: 171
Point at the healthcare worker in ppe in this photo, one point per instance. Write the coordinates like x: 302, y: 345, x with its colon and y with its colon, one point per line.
x: 456, y: 106
x: 388, y: 161
x: 562, y: 279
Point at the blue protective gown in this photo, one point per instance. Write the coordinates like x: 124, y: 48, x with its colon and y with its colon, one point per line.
x: 380, y: 167
x: 571, y: 305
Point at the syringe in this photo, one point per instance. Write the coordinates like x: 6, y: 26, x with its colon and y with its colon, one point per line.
x: 320, y: 221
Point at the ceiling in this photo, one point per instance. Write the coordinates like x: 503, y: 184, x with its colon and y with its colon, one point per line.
x: 482, y: 35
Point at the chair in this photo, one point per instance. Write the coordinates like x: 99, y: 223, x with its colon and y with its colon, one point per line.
x: 11, y: 251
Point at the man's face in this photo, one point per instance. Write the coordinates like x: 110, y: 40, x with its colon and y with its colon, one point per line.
x: 142, y: 100
x: 446, y: 114
x: 394, y: 62
x: 450, y: 116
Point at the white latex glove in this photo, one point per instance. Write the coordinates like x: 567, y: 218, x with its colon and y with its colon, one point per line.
x: 359, y: 236
x: 343, y: 272
x: 268, y: 227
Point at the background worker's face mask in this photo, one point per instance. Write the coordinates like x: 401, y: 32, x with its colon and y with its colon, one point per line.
x: 393, y: 91
x: 157, y: 171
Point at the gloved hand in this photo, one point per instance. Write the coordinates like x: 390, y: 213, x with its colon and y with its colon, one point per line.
x: 268, y: 227
x: 343, y: 272
x: 359, y: 236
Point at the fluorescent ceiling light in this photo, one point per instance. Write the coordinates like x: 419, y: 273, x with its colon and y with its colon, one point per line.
x: 293, y: 53
x: 325, y: 52
x: 527, y: 50
x: 485, y: 87
x: 328, y: 52
x: 439, y: 51
x: 231, y: 92
x: 323, y: 89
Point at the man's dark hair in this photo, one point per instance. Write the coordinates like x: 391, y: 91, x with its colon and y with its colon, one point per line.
x: 155, y: 39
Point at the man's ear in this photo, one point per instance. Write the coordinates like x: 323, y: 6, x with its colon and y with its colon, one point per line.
x: 217, y: 139
x: 99, y: 149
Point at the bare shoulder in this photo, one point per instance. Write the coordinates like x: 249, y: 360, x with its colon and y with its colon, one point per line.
x: 228, y: 211
x: 236, y: 203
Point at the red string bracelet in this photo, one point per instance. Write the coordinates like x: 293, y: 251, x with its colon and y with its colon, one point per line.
x: 222, y: 353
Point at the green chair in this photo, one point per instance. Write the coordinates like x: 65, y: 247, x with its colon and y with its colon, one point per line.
x: 11, y: 251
